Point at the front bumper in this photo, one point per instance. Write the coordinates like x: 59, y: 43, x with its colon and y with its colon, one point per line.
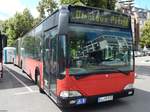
x: 70, y: 102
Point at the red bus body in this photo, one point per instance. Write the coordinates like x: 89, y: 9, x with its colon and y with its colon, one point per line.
x: 65, y: 88
x: 97, y: 84
x: 30, y: 65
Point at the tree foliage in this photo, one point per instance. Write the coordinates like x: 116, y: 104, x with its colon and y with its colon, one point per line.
x: 145, y: 37
x: 21, y: 23
x: 106, y: 4
x: 72, y: 2
x: 46, y: 6
x: 1, y: 22
x: 18, y: 25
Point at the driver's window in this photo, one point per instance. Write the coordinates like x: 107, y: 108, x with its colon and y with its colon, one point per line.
x: 53, y: 61
x: 47, y: 55
x: 47, y: 49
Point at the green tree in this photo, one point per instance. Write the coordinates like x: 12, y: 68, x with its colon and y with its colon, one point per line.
x: 18, y: 25
x: 106, y: 4
x: 72, y: 2
x: 145, y: 37
x: 8, y: 29
x: 28, y: 21
x: 36, y: 21
x: 51, y: 5
x: 1, y: 22
x: 46, y: 6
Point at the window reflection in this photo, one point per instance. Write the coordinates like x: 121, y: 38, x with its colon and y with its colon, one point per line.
x: 94, y: 50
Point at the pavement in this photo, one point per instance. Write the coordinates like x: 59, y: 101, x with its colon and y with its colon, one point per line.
x: 143, y: 73
x: 18, y: 93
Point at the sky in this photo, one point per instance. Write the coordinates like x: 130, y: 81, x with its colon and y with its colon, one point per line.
x: 142, y: 4
x: 9, y: 7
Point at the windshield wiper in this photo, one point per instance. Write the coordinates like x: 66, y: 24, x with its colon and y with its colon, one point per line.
x: 124, y: 72
x: 117, y: 70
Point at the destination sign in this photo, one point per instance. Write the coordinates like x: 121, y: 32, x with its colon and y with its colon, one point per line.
x: 93, y: 16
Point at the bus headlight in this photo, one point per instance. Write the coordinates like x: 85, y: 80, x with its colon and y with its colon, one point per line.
x: 129, y: 86
x: 66, y: 94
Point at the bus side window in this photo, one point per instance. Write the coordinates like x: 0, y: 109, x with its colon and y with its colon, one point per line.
x: 62, y: 53
x: 47, y: 49
x: 53, y: 60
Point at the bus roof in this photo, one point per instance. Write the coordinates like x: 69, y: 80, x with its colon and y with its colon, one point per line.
x: 85, y: 7
x: 53, y: 18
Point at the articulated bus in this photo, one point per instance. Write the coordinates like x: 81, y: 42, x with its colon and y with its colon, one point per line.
x: 80, y: 55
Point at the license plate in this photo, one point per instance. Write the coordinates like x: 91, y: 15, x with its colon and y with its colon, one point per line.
x: 81, y: 101
x: 105, y: 98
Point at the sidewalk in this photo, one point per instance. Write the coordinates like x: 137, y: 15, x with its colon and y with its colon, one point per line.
x: 142, y: 61
x: 142, y: 69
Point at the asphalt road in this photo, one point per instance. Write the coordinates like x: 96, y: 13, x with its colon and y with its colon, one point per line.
x: 19, y: 94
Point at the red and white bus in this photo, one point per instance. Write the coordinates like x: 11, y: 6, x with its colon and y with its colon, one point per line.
x: 80, y: 55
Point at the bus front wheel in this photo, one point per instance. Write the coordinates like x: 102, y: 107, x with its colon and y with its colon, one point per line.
x: 37, y: 81
x: 1, y: 76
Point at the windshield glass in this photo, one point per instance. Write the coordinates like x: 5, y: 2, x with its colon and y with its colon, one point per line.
x: 94, y: 50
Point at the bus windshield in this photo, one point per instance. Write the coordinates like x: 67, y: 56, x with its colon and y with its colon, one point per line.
x: 99, y: 50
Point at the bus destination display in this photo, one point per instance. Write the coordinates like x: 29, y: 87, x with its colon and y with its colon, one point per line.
x: 98, y: 17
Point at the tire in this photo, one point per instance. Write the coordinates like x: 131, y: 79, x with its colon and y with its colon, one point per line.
x: 41, y: 90
x: 21, y: 65
x: 1, y: 76
x: 37, y: 81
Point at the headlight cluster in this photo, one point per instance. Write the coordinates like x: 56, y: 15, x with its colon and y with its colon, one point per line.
x: 128, y: 86
x: 66, y: 94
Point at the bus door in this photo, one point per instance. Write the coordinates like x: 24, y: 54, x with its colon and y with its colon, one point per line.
x: 46, y: 64
x: 50, y: 65
x: 54, y: 65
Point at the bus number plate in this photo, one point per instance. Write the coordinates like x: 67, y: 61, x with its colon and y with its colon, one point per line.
x: 105, y: 98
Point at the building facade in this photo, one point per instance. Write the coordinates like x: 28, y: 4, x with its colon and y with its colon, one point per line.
x: 139, y: 17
